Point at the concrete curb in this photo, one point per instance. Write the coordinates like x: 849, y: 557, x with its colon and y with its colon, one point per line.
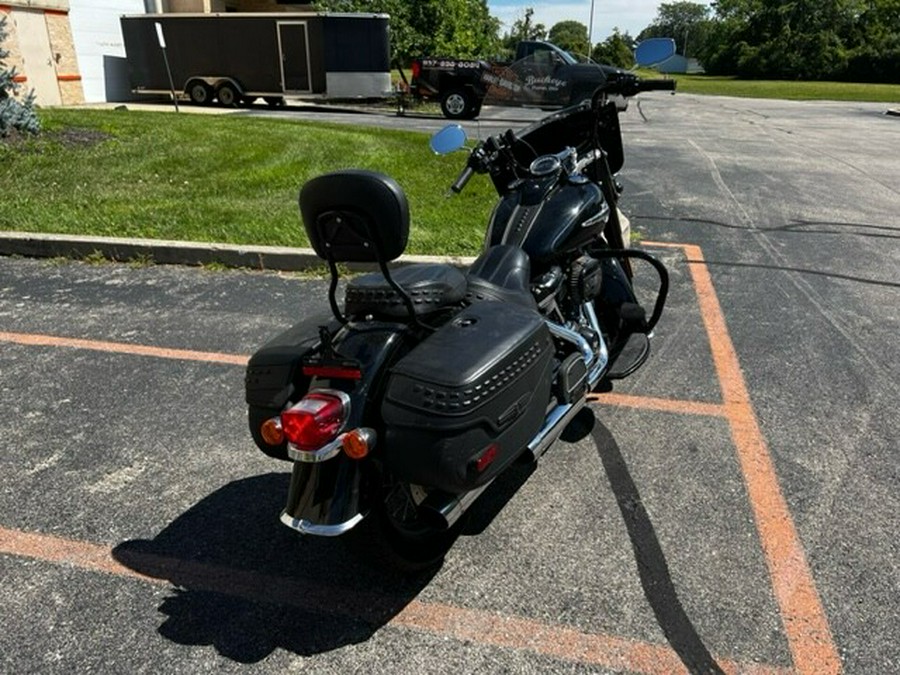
x: 167, y: 252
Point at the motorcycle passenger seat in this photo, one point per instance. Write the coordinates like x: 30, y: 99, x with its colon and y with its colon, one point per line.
x: 431, y: 286
x: 502, y: 273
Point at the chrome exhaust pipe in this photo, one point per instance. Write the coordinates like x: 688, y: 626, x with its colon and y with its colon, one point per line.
x: 441, y: 509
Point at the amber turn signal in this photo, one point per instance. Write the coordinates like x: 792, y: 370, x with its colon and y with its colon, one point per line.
x: 358, y: 442
x: 271, y: 431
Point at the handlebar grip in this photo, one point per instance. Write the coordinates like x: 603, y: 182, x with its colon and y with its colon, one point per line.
x: 463, y: 178
x: 658, y: 85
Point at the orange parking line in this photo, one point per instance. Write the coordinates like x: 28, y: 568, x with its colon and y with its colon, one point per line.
x: 806, y: 627
x: 122, y: 348
x: 480, y: 626
x: 661, y: 404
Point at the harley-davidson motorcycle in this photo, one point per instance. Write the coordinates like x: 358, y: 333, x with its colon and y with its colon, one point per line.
x: 402, y: 406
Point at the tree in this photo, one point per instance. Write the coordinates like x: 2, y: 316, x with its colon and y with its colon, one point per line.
x: 616, y: 50
x: 571, y: 36
x: 14, y: 114
x: 685, y: 22
x: 800, y: 39
x: 462, y: 28
x: 523, y: 29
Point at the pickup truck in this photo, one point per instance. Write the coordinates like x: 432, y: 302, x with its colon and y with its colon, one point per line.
x: 543, y: 76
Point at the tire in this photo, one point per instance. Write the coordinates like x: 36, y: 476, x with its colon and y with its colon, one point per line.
x: 459, y: 104
x: 394, y: 536
x: 228, y: 95
x: 200, y: 93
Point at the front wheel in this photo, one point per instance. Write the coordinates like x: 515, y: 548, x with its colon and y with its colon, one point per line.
x: 394, y: 534
x: 200, y: 93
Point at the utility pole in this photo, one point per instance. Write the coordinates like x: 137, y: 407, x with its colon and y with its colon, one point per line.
x: 591, y: 29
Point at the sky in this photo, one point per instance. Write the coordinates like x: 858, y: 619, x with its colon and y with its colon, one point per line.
x: 629, y: 16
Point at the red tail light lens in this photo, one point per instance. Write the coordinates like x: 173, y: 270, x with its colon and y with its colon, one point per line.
x: 316, y: 420
x: 416, y: 69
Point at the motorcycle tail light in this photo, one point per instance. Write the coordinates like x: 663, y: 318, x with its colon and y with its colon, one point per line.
x: 316, y: 420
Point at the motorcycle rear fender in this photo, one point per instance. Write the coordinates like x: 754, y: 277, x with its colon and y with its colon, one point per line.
x: 329, y: 498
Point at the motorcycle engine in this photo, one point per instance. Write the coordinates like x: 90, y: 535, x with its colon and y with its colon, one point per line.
x: 585, y: 279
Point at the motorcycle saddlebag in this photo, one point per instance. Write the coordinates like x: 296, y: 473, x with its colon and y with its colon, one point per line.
x: 273, y: 373
x: 463, y: 404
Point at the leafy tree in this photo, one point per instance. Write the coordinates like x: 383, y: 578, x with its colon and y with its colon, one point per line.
x: 616, y: 50
x: 571, y: 36
x: 803, y: 39
x: 463, y: 28
x: 14, y: 114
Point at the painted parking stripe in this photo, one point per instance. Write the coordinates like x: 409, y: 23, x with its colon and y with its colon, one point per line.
x: 806, y: 627
x: 463, y: 624
x: 36, y: 340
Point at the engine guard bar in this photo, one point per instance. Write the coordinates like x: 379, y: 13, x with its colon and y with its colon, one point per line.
x: 660, y: 270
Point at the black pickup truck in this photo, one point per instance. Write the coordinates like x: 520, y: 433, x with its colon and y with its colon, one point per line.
x: 543, y: 76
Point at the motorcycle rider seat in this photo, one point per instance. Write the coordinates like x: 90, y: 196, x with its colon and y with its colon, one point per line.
x: 355, y: 215
x: 429, y: 286
x: 502, y: 273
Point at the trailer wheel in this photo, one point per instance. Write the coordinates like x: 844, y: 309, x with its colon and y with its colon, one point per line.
x: 458, y: 104
x: 228, y: 95
x: 200, y: 93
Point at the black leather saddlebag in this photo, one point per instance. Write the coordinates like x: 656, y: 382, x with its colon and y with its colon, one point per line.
x: 463, y: 404
x: 274, y: 373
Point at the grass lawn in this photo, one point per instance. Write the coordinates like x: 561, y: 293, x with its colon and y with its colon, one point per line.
x: 786, y: 89
x: 227, y: 178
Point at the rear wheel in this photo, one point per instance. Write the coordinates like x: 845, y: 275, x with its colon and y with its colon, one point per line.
x: 228, y: 95
x: 459, y: 104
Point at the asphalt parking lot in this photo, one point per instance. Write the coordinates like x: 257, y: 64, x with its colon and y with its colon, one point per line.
x: 732, y: 506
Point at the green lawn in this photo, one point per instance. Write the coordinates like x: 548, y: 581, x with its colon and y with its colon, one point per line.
x: 786, y: 89
x: 214, y: 178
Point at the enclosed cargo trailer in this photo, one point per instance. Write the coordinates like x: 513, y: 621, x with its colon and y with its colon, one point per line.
x: 239, y: 57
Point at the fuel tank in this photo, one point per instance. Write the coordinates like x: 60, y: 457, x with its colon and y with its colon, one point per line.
x: 549, y: 219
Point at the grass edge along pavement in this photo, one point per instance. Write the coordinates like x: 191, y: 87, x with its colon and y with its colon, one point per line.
x: 227, y: 179
x: 171, y: 252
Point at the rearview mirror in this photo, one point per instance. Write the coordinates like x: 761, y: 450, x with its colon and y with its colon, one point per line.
x: 448, y: 139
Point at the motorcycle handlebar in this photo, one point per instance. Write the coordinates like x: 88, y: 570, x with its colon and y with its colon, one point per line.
x: 657, y: 85
x: 462, y: 179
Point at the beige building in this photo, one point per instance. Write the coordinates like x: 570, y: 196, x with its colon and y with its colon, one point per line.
x: 41, y: 49
x: 69, y: 51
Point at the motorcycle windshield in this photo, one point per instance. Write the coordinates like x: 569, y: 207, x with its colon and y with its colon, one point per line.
x: 546, y: 78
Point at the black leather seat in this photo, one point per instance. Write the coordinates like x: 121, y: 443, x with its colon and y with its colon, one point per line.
x: 502, y: 273
x: 430, y: 287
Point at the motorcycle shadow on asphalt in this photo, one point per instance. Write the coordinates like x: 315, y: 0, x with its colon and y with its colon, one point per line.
x: 246, y: 585
x: 655, y: 577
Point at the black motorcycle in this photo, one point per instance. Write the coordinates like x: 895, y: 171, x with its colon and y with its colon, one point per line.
x: 400, y: 408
